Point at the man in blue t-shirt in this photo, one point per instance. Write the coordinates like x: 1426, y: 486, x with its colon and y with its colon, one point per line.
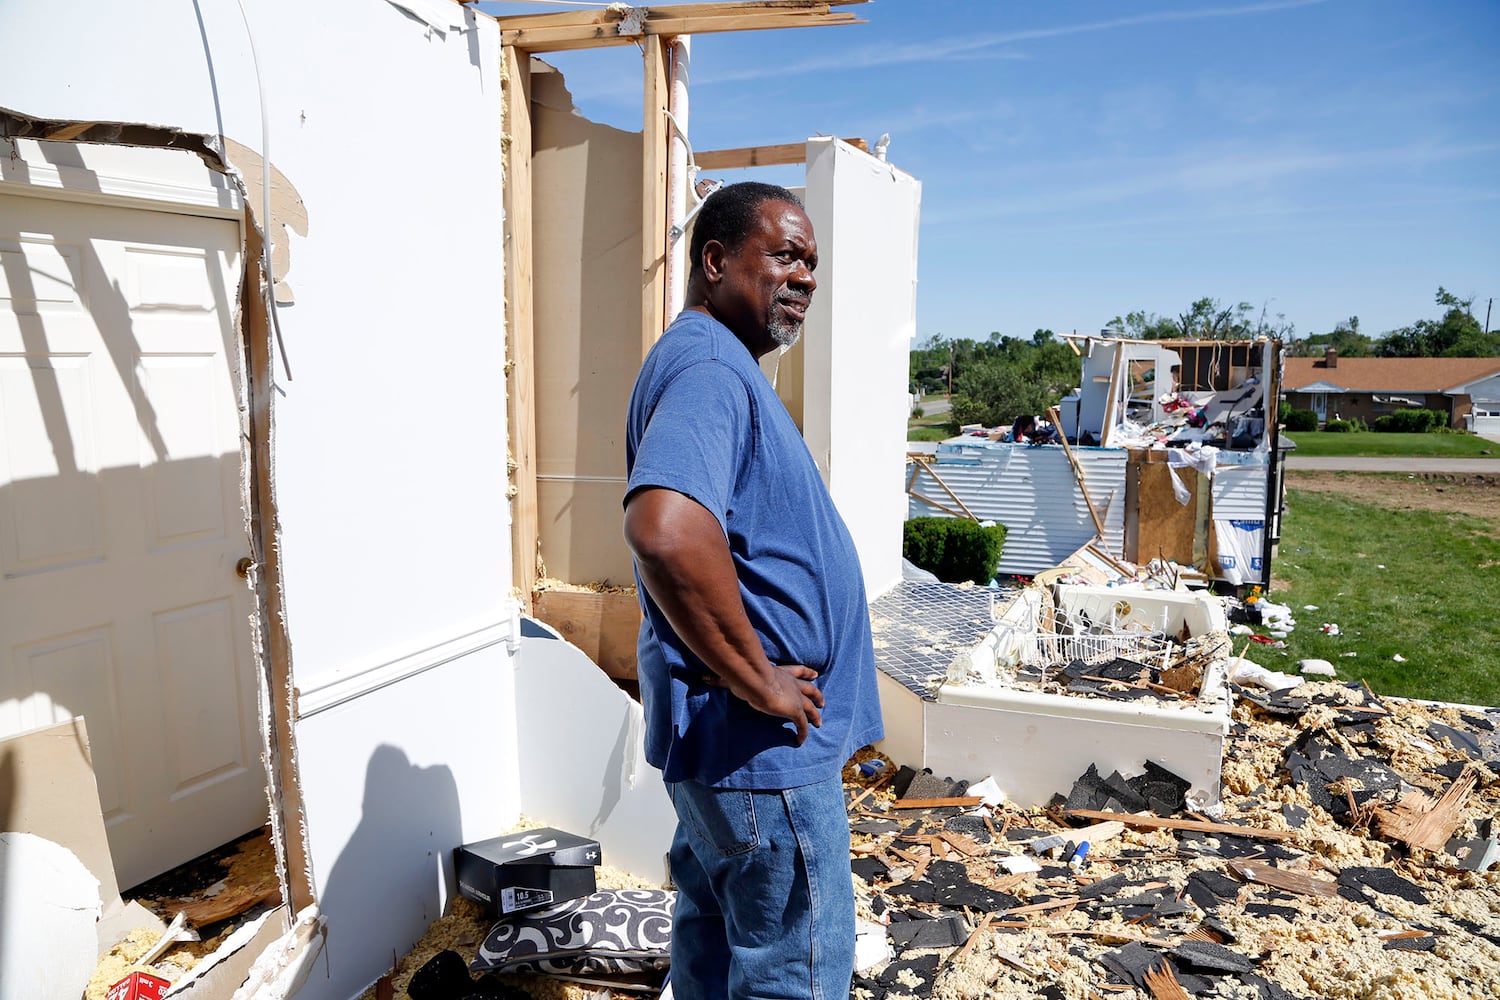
x: 756, y: 666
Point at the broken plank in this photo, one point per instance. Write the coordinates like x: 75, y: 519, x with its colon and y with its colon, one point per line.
x: 1163, y: 984
x: 962, y: 800
x: 1169, y: 823
x: 1419, y: 821
x: 1302, y: 883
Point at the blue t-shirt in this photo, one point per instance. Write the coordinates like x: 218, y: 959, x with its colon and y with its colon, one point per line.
x: 705, y: 423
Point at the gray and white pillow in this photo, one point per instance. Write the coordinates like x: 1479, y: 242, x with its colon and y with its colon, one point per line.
x: 613, y: 931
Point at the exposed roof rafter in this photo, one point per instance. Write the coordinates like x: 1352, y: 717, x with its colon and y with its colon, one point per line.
x: 620, y: 26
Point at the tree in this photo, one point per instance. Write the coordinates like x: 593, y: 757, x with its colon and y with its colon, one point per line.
x: 1345, y: 338
x: 996, y: 392
x: 1456, y: 335
x: 1206, y: 319
x: 1144, y: 326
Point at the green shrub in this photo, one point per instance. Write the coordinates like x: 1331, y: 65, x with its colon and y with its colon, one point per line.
x: 1411, y: 422
x: 954, y: 549
x: 918, y: 413
x: 1285, y: 411
x: 1302, y: 420
x: 1339, y: 426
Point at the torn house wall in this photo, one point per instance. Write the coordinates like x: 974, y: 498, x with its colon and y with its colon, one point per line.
x: 858, y: 341
x: 389, y: 446
x: 1206, y: 419
x: 591, y: 775
x: 586, y: 246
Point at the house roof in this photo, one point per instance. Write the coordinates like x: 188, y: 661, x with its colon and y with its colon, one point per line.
x: 1386, y: 374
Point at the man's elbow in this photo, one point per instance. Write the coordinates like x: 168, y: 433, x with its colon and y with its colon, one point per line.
x: 645, y: 528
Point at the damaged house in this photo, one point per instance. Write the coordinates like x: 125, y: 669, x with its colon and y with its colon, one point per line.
x: 314, y: 346
x: 1169, y: 455
x: 314, y: 342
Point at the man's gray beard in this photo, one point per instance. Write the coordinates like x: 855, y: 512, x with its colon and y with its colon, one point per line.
x: 784, y: 334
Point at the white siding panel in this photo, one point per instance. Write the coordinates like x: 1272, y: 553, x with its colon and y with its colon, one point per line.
x: 1033, y: 492
x: 1240, y: 493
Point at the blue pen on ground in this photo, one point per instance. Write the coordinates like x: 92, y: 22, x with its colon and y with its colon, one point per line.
x: 1082, y: 852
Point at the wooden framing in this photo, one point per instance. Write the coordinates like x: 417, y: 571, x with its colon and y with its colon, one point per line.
x: 1056, y: 421
x: 520, y: 382
x: 538, y: 33
x: 655, y: 136
x: 653, y: 29
x: 760, y: 156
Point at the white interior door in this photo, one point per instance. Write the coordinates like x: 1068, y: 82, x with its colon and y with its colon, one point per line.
x: 120, y: 516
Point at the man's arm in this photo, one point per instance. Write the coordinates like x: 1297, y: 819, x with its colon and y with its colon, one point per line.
x: 684, y: 561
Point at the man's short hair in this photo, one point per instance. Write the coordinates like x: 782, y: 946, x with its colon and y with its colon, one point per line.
x: 730, y: 213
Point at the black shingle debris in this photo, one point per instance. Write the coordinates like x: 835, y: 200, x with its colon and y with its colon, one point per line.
x: 1382, y: 880
x: 941, y: 932
x: 1173, y: 889
x: 1206, y: 956
x: 1113, y: 794
x: 1209, y: 889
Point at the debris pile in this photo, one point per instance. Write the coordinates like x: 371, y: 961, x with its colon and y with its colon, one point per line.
x: 1352, y: 858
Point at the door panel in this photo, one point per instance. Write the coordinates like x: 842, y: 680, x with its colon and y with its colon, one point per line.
x: 120, y: 518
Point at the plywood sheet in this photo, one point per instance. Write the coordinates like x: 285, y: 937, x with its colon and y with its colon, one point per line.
x: 1166, y: 527
x: 586, y: 225
x: 605, y: 626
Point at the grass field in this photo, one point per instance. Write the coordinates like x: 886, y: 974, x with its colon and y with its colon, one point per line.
x: 1319, y: 444
x: 935, y: 428
x: 1404, y: 566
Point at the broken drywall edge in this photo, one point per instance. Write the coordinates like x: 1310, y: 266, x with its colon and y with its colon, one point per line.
x: 598, y: 782
x: 441, y: 16
x: 52, y: 793
x: 285, y: 964
x: 220, y: 973
x: 48, y: 943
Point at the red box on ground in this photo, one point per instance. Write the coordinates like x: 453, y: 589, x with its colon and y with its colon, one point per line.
x: 138, y: 986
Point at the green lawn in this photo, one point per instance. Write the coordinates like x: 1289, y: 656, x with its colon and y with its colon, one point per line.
x: 1420, y: 584
x: 930, y: 428
x: 1318, y: 444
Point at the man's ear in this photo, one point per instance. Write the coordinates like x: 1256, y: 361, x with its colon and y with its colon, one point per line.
x: 713, y: 261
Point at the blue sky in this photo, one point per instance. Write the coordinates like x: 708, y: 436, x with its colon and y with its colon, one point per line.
x: 1318, y: 158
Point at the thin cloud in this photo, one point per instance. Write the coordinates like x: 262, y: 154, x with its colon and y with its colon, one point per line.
x: 1198, y: 174
x: 971, y: 46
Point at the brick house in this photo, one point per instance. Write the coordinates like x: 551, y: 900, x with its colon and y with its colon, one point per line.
x: 1466, y: 389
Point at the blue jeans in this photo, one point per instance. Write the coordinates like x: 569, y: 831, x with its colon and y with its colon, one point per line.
x: 765, y: 902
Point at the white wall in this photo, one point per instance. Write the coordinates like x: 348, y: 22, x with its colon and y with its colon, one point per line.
x: 857, y: 342
x: 390, y: 442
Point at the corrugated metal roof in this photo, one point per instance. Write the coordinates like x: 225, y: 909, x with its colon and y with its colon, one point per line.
x: 1032, y: 491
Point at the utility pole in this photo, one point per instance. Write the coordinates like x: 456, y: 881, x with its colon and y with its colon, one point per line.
x: 1487, y: 307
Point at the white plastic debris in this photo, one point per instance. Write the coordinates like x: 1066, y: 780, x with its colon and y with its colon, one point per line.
x: 1240, y: 630
x: 1243, y: 671
x: 1019, y: 864
x: 988, y: 791
x: 1350, y: 653
x: 1322, y: 668
x: 872, y: 946
x: 1309, y: 607
x: 1330, y: 628
x: 1399, y: 658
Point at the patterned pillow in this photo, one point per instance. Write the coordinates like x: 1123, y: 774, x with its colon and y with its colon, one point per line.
x: 612, y: 931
